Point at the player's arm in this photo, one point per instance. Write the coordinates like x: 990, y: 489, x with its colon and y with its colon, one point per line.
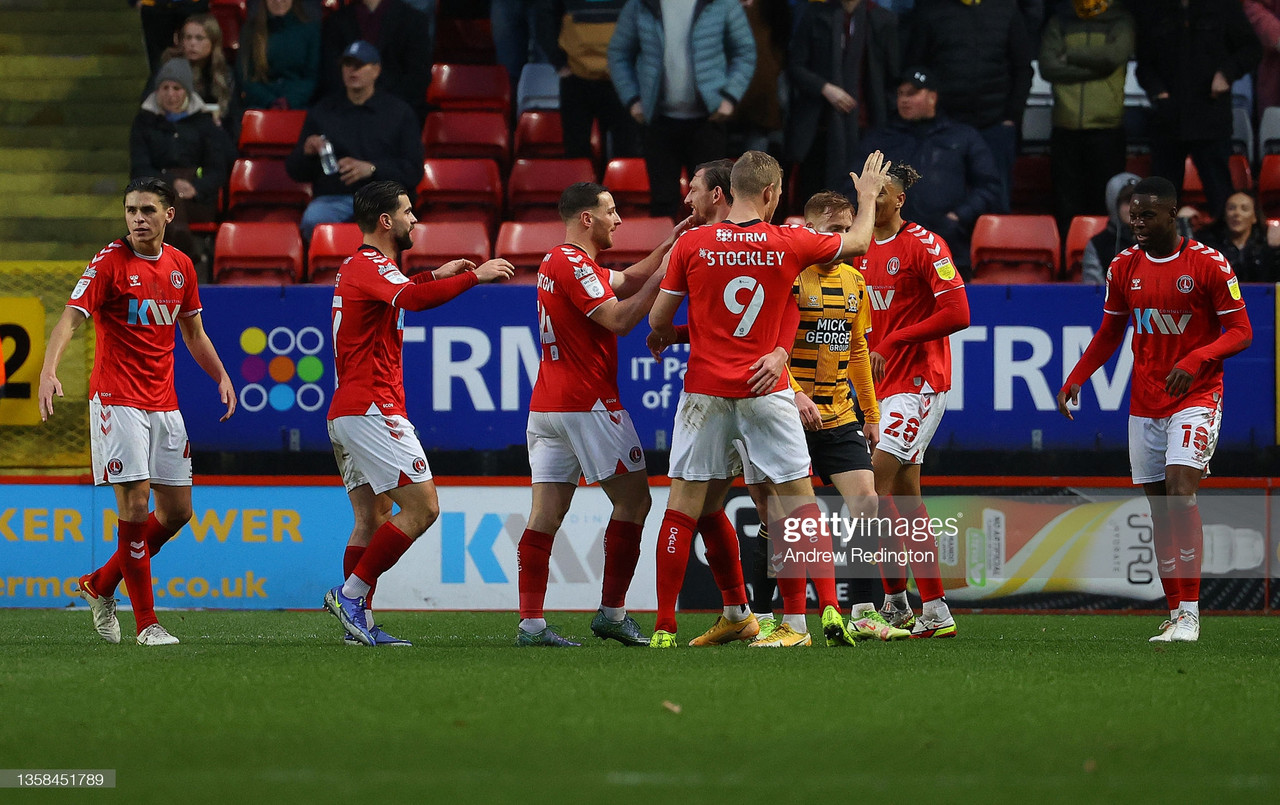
x: 867, y: 186
x: 1237, y: 335
x: 768, y: 368
x: 418, y: 296
x: 951, y: 315
x: 202, y: 349
x: 663, y: 313
x: 619, y: 316
x: 449, y: 269
x: 59, y: 338
x: 630, y: 281
x: 1101, y: 347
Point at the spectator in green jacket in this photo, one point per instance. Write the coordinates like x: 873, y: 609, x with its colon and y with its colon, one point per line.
x: 1083, y: 53
x: 279, y: 56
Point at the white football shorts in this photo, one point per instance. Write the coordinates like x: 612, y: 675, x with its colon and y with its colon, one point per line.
x: 908, y: 422
x: 130, y: 444
x: 721, y: 437
x: 1186, y: 438
x: 381, y: 451
x: 596, y: 445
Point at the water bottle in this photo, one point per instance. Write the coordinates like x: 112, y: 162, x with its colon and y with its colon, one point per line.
x: 328, y: 162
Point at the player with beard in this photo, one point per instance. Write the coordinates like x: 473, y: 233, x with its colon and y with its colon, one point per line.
x: 375, y: 445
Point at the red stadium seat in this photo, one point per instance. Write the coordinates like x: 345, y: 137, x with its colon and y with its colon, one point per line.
x: 331, y: 245
x: 634, y: 240
x: 270, y: 132
x: 1269, y: 185
x: 525, y: 243
x: 1083, y: 227
x: 1015, y: 249
x: 460, y: 190
x: 437, y: 243
x: 1032, y: 190
x: 262, y: 191
x: 477, y: 135
x: 470, y: 87
x: 540, y: 135
x: 535, y: 185
x: 1193, y: 188
x: 628, y: 180
x: 257, y: 253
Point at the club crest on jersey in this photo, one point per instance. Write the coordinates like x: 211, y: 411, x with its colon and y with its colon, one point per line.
x: 945, y: 268
x: 892, y: 266
x: 176, y: 279
x: 1233, y: 288
x: 851, y: 304
x: 419, y: 465
x: 636, y: 454
x: 1185, y: 283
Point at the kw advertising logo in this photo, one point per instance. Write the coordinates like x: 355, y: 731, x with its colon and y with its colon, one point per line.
x: 281, y: 368
x: 578, y: 557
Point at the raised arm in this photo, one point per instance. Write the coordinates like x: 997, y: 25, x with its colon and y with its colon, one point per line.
x: 867, y: 186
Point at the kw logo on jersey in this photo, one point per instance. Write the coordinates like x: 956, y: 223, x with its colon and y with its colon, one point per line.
x: 149, y: 311
x: 832, y: 332
x: 1152, y: 321
x: 880, y: 300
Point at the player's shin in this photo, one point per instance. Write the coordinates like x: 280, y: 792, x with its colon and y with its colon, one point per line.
x: 723, y: 556
x: 621, y: 553
x: 533, y: 558
x: 386, y: 547
x: 763, y: 585
x: 1188, y: 535
x: 893, y: 572
x: 1166, y: 547
x: 672, y: 558
x: 107, y: 578
x: 135, y: 561
x: 923, y: 546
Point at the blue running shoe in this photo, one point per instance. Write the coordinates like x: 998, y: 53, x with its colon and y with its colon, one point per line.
x: 548, y: 637
x: 350, y: 612
x: 380, y: 638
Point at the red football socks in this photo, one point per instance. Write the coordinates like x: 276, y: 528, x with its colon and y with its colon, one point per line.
x: 106, y: 578
x: 135, y: 562
x: 621, y: 553
x: 822, y: 571
x: 928, y: 579
x: 1188, y: 535
x: 385, y: 549
x: 723, y: 555
x: 351, y: 558
x: 674, y: 540
x: 1162, y: 537
x: 533, y: 559
x: 892, y: 575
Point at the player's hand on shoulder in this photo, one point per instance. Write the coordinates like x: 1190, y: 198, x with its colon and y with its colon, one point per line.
x: 49, y: 386
x: 681, y: 227
x: 1068, y: 394
x: 495, y: 270
x: 452, y: 268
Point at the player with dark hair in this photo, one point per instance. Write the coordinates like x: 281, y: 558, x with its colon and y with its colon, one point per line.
x: 1188, y: 317
x: 374, y: 442
x: 736, y: 409
x: 577, y: 425
x: 139, y: 289
x: 917, y: 301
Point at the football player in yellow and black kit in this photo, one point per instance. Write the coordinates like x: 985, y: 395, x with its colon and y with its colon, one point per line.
x: 828, y: 357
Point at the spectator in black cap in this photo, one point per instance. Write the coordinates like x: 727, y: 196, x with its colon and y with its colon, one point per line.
x: 371, y: 133
x: 402, y: 35
x: 959, y: 181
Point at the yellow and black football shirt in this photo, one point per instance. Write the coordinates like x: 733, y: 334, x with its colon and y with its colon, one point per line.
x: 830, y: 350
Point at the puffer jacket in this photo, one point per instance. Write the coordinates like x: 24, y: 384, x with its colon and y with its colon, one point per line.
x: 982, y: 55
x: 724, y: 53
x: 1085, y: 61
x: 158, y: 145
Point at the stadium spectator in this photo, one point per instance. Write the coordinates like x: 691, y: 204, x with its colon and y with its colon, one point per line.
x: 575, y: 35
x: 578, y: 428
x: 1189, y: 53
x: 1104, y: 246
x: 200, y: 43
x: 175, y: 137
x: 1250, y: 246
x: 735, y: 389
x: 1264, y: 16
x: 843, y: 69
x: 758, y: 120
x: 375, y: 445
x: 514, y: 25
x: 138, y: 289
x: 680, y: 68
x: 370, y: 132
x: 279, y: 59
x: 401, y: 34
x: 962, y: 183
x: 918, y: 301
x: 980, y: 55
x: 1175, y: 400
x: 1084, y: 53
x: 161, y: 19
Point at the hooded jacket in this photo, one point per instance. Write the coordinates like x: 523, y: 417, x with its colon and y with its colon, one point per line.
x: 1085, y: 60
x: 1104, y: 246
x: 193, y: 141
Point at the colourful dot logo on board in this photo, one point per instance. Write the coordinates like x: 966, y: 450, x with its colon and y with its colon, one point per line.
x: 280, y: 369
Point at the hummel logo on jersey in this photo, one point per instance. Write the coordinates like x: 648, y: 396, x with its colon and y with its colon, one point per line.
x: 133, y: 281
x: 149, y: 311
x: 1135, y: 284
x: 880, y: 301
x: 729, y: 236
x: 1152, y: 321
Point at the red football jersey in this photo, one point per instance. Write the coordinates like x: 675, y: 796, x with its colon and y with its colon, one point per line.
x: 1175, y: 302
x: 905, y: 274
x: 738, y: 278
x: 136, y: 301
x: 579, y: 364
x: 368, y: 336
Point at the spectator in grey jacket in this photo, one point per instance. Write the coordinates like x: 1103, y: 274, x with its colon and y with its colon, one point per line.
x: 680, y: 67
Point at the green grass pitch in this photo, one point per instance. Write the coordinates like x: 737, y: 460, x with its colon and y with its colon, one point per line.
x: 269, y: 707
